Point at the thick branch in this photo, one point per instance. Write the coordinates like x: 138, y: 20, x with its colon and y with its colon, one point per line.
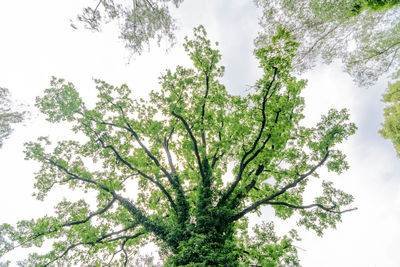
x: 64, y: 253
x: 149, y: 154
x: 141, y: 218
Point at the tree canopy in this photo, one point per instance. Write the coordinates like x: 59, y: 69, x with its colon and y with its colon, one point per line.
x: 139, y: 22
x: 365, y: 34
x: 184, y: 167
x: 7, y: 115
x: 391, y: 125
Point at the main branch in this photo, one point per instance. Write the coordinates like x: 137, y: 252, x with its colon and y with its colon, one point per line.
x: 244, y: 161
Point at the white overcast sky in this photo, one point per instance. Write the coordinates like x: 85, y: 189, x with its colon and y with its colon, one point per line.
x: 36, y: 43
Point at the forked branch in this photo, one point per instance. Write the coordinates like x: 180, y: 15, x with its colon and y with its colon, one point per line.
x: 196, y: 149
x: 268, y: 199
x: 245, y: 161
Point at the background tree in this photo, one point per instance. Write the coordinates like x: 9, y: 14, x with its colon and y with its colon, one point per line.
x: 391, y: 125
x: 7, y: 115
x: 175, y: 150
x: 365, y: 34
x: 139, y: 22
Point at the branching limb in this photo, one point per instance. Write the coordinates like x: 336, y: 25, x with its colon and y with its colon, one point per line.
x: 377, y: 53
x: 245, y: 161
x: 100, y: 241
x: 165, y: 145
x: 181, y: 198
x: 99, y: 212
x: 118, y: 156
x: 280, y: 192
x: 203, y: 108
x: 147, y: 151
x: 73, y: 176
x: 138, y: 214
x: 158, y: 184
x: 218, y: 156
x: 125, y: 253
x: 196, y: 149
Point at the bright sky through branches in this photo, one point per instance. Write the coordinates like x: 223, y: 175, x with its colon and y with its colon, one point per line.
x: 38, y: 43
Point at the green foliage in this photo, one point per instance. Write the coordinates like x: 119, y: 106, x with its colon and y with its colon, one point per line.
x: 378, y: 4
x: 7, y: 115
x: 174, y: 148
x: 266, y: 249
x: 140, y: 22
x: 391, y: 125
x: 364, y: 34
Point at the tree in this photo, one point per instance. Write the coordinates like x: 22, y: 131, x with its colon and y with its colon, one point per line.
x: 391, y: 125
x: 365, y: 34
x: 139, y: 23
x: 176, y: 149
x: 7, y: 115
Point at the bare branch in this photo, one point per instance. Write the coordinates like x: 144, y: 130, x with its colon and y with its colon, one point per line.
x: 329, y: 209
x: 99, y: 212
x: 98, y: 4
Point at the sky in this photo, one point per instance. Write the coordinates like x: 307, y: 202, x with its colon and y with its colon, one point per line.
x: 37, y: 43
